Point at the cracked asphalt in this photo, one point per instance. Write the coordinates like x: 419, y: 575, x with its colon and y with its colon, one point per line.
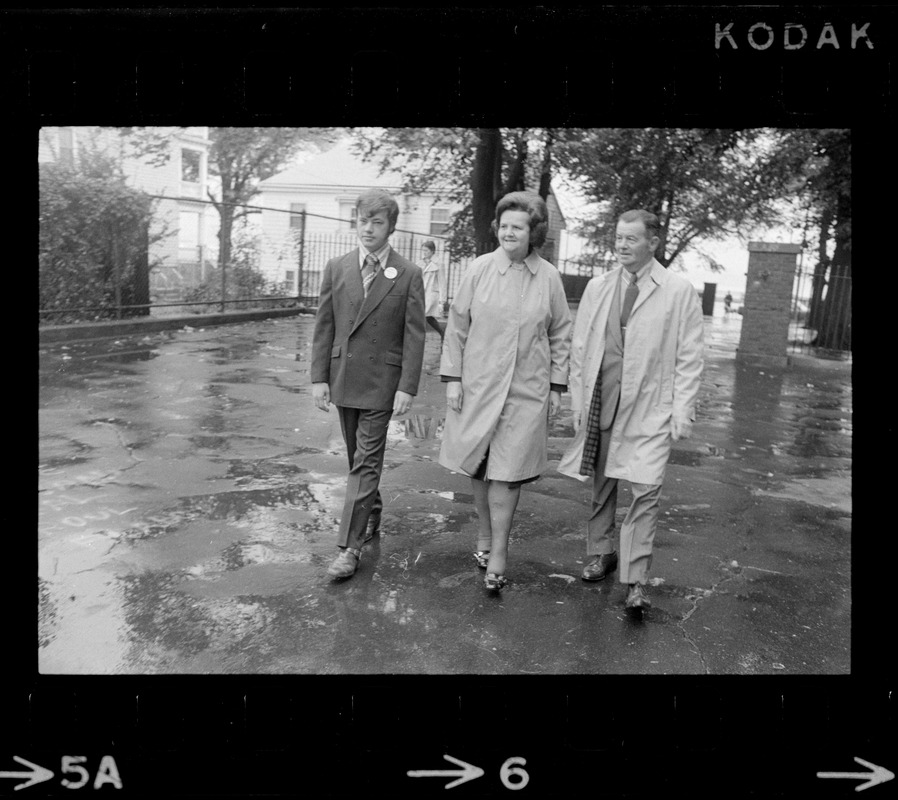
x: 189, y: 494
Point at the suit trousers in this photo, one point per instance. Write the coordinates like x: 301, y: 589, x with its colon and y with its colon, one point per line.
x: 365, y: 434
x: 638, y: 528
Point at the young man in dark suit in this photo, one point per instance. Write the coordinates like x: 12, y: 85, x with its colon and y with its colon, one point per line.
x: 366, y: 359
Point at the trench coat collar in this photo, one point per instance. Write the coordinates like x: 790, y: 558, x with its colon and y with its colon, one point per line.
x: 503, y: 262
x: 654, y: 270
x: 658, y: 276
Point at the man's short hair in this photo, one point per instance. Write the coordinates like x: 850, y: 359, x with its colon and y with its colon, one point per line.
x: 430, y: 245
x: 372, y: 201
x: 647, y: 218
x: 532, y: 204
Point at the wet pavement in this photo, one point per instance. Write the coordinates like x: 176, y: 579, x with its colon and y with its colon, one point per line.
x: 190, y: 495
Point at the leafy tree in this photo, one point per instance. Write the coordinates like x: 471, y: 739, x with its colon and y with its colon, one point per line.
x: 820, y: 160
x: 94, y: 240
x: 704, y: 184
x: 243, y: 282
x: 469, y: 167
x: 242, y: 158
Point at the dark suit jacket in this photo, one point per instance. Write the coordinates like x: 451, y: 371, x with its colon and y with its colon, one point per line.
x: 367, y: 348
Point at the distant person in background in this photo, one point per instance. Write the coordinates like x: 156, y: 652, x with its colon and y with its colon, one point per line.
x: 505, y: 362
x: 727, y: 303
x: 636, y: 367
x: 434, y: 287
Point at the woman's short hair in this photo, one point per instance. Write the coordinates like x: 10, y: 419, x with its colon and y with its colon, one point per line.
x: 430, y: 245
x: 647, y: 218
x: 532, y: 204
x: 371, y: 201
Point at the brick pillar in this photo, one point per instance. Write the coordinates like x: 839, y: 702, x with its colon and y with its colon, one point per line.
x: 768, y: 300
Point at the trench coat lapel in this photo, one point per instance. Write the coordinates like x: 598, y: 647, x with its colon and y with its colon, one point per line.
x: 655, y: 277
x: 380, y: 287
x: 613, y: 324
x: 604, y: 309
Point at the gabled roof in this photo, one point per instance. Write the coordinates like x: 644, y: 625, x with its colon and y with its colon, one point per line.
x: 339, y: 169
x: 555, y: 208
x: 336, y: 168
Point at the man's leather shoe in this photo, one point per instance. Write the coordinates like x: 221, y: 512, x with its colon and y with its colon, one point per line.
x: 637, y: 598
x: 372, y: 529
x: 599, y: 567
x: 345, y: 564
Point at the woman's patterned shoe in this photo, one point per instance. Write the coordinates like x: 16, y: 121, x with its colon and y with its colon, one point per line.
x: 494, y: 582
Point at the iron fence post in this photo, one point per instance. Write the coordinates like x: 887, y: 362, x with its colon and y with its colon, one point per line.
x: 116, y: 266
x: 302, y: 256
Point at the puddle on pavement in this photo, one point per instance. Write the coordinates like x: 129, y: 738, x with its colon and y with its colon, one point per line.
x: 242, y: 471
x: 455, y: 497
x: 157, y: 614
x: 242, y: 554
x: 232, y: 506
x: 244, y: 443
x: 127, y: 357
x: 240, y: 376
x: 416, y: 426
x: 60, y: 451
x: 685, y: 458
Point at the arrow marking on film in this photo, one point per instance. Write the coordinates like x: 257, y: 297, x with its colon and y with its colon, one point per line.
x: 38, y: 774
x: 878, y: 775
x: 468, y: 772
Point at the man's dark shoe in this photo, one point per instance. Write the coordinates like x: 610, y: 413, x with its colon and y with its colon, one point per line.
x: 345, y: 564
x: 637, y: 598
x: 599, y: 567
x: 372, y: 529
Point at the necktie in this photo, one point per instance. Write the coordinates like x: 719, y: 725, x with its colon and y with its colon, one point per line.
x: 369, y: 271
x: 629, y: 298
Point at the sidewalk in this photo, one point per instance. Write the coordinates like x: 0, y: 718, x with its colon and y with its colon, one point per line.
x: 190, y: 494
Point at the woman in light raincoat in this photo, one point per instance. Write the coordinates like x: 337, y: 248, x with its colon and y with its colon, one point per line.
x: 505, y: 363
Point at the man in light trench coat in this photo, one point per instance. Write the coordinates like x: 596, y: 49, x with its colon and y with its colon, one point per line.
x: 636, y: 366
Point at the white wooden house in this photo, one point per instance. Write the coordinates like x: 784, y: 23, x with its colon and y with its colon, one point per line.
x: 325, y: 186
x: 187, y: 229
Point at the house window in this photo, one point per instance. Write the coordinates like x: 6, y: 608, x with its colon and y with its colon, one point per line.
x: 66, y: 146
x: 296, y: 212
x: 348, y: 214
x: 188, y: 236
x: 190, y: 165
x: 439, y: 221
x: 290, y: 280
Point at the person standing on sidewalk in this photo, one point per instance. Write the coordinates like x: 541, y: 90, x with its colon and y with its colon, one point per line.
x: 434, y: 287
x: 636, y: 366
x: 367, y: 352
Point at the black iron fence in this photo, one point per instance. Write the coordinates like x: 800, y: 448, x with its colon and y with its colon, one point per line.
x: 277, y: 259
x: 311, y: 250
x: 821, y: 311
